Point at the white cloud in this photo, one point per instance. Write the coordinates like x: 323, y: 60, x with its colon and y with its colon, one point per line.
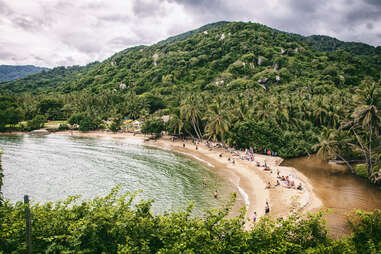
x: 68, y: 32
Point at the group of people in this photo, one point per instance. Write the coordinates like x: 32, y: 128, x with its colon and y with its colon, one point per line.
x: 289, y: 181
x: 249, y: 156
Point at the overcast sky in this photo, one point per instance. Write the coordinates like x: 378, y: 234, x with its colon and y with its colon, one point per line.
x: 75, y: 32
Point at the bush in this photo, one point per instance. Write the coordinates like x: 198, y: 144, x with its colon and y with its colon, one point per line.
x: 87, y: 124
x: 361, y: 170
x: 63, y: 127
x: 112, y: 224
x: 76, y: 118
x: 153, y: 126
x: 36, y: 123
x: 366, y: 227
x: 115, y: 125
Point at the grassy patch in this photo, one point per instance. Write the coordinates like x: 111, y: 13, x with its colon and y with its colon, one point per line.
x: 361, y: 170
x: 54, y: 123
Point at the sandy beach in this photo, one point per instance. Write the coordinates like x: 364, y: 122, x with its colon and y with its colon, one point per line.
x: 249, y: 179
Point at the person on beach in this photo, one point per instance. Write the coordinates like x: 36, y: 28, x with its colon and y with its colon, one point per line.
x: 196, y: 147
x: 215, y: 194
x: 300, y: 187
x: 183, y: 144
x: 267, y: 208
x: 220, y: 155
x: 255, y: 217
x: 277, y: 183
x: 233, y: 161
x: 268, y: 186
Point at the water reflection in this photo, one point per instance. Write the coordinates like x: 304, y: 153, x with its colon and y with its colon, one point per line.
x: 338, y: 189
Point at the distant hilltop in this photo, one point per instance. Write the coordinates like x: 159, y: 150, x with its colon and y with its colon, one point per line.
x: 13, y: 72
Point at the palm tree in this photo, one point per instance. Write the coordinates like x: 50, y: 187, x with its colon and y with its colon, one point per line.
x: 176, y: 122
x: 218, y: 120
x: 366, y: 119
x: 190, y: 111
x: 328, y: 147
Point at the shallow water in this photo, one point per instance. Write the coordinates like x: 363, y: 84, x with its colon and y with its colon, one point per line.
x: 339, y: 190
x: 53, y: 167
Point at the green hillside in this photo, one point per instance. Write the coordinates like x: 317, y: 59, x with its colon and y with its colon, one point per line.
x: 200, y: 58
x: 244, y: 84
x: 12, y: 72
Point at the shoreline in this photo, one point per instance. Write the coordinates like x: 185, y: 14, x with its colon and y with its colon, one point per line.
x: 249, y: 179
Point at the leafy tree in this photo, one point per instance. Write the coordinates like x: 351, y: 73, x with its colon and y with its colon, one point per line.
x: 115, y: 125
x: 51, y: 108
x: 10, y: 113
x: 153, y: 126
x: 36, y: 123
x: 76, y: 118
x: 87, y: 124
x: 1, y: 180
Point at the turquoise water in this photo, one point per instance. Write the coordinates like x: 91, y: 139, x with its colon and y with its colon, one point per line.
x: 53, y: 167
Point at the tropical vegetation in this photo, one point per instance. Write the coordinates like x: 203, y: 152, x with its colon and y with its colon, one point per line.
x: 243, y: 84
x: 117, y: 224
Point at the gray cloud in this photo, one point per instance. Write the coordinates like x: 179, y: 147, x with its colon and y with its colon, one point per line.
x: 4, y: 9
x: 69, y: 32
x: 144, y: 8
x: 27, y: 23
x: 374, y: 2
x: 369, y: 26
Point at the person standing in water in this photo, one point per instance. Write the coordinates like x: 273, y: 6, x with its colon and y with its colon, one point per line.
x: 215, y: 194
x: 255, y: 217
x: 204, y: 183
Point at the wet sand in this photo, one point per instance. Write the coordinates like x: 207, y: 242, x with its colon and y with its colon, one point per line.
x: 249, y: 179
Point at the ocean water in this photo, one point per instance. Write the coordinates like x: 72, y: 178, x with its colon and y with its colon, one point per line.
x: 53, y: 167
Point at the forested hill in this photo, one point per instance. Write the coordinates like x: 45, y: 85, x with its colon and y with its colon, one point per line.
x: 12, y: 72
x: 230, y: 55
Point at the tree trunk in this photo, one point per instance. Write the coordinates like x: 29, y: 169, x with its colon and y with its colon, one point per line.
x: 194, y: 127
x: 346, y: 162
x: 370, y: 166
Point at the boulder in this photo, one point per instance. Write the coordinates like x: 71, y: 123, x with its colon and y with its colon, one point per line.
x: 122, y: 86
x: 263, y: 80
x: 39, y: 132
x: 259, y: 60
x: 155, y: 57
x: 276, y: 67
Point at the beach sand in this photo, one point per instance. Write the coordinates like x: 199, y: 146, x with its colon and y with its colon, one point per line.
x: 249, y: 179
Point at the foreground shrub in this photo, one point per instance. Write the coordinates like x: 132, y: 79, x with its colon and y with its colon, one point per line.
x: 116, y: 224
